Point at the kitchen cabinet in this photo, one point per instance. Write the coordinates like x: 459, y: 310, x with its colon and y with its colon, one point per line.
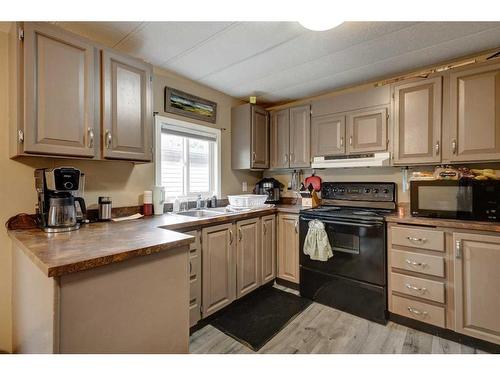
x: 367, y: 130
x: 291, y: 138
x: 194, y: 278
x: 59, y: 77
x: 288, y: 247
x: 126, y: 108
x: 477, y: 277
x: 249, y: 137
x: 219, y: 268
x: 417, y: 122
x: 248, y: 249
x: 268, y: 249
x: 328, y: 135
x: 475, y: 114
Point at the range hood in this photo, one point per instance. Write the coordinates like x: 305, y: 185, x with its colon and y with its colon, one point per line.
x: 380, y: 159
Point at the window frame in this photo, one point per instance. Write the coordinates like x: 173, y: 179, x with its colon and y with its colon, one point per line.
x: 187, y: 127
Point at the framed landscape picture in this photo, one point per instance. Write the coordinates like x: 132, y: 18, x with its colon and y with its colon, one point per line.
x: 188, y: 105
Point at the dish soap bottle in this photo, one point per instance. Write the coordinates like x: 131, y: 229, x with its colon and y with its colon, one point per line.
x: 177, y: 205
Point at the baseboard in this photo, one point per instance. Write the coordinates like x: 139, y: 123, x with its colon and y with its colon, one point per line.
x: 445, y: 333
x: 287, y: 284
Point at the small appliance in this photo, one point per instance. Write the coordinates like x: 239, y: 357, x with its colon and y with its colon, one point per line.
x: 355, y: 278
x: 270, y: 187
x: 61, y: 207
x: 464, y: 199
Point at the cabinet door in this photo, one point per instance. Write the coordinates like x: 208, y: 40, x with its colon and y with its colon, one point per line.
x: 417, y: 122
x: 59, y: 93
x: 219, y: 268
x: 268, y: 249
x: 475, y: 114
x: 300, y: 137
x: 288, y: 248
x: 477, y: 277
x: 248, y: 256
x: 126, y: 112
x: 328, y: 135
x: 260, y: 138
x: 367, y: 130
x: 280, y: 139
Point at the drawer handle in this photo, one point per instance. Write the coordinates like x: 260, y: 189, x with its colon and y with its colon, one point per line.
x: 416, y: 239
x: 190, y: 267
x: 416, y: 288
x: 417, y: 312
x: 416, y: 264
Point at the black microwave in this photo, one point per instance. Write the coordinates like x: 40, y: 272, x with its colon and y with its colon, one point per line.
x: 456, y: 199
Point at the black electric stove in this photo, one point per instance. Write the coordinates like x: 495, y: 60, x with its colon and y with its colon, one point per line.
x: 355, y: 278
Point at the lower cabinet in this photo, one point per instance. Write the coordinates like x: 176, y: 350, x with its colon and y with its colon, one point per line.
x: 477, y: 279
x: 247, y: 256
x: 219, y: 267
x: 268, y: 249
x: 288, y: 247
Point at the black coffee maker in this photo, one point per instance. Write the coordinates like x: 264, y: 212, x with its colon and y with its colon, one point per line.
x: 270, y: 187
x: 61, y: 207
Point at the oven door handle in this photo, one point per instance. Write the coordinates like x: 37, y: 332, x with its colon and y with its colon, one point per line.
x: 346, y: 223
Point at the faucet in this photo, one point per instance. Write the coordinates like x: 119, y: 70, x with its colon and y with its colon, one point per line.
x: 199, y: 202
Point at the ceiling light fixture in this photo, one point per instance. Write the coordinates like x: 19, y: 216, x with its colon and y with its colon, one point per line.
x: 319, y: 24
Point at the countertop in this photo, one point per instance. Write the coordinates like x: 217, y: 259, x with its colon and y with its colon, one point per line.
x: 98, y: 244
x: 403, y: 216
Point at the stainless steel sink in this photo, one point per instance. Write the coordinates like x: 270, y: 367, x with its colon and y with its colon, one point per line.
x: 201, y: 213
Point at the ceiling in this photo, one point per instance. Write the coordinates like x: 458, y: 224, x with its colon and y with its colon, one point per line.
x: 282, y: 61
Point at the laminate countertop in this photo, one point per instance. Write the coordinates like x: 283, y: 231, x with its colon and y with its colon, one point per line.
x: 403, y: 216
x: 98, y: 244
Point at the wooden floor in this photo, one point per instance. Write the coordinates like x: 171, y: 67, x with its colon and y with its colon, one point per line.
x: 321, y: 329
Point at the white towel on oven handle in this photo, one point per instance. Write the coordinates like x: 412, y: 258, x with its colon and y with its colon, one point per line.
x: 316, y: 243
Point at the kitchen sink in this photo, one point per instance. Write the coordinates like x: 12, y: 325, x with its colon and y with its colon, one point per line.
x: 201, y: 213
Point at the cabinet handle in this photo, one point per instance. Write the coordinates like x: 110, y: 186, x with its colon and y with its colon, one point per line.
x: 416, y: 239
x: 458, y: 249
x: 292, y: 157
x: 230, y: 237
x: 416, y: 288
x: 454, y: 146
x: 108, y: 138
x: 296, y: 226
x: 264, y: 227
x: 417, y: 312
x: 253, y: 156
x: 437, y: 147
x: 91, y: 137
x: 417, y: 264
x: 286, y: 158
x: 341, y: 141
x: 190, y: 267
x: 350, y: 140
x: 240, y: 235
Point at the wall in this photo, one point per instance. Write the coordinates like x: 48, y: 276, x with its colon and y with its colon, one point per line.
x: 123, y: 181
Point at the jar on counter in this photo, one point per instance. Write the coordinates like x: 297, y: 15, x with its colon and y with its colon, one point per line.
x: 147, y: 208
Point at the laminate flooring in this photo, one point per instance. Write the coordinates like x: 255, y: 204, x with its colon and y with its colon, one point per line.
x: 322, y: 329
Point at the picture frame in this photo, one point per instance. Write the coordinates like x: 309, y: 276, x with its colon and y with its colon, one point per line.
x: 187, y: 105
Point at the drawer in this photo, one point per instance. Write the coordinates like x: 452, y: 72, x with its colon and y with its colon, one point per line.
x: 421, y: 311
x: 421, y: 238
x: 418, y: 287
x: 416, y: 262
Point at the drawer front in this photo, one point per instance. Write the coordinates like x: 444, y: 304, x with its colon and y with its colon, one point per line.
x: 422, y: 263
x: 418, y: 287
x: 419, y: 238
x: 421, y: 311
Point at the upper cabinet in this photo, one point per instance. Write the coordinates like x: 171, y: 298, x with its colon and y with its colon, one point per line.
x: 249, y: 137
x: 328, y: 135
x: 58, y: 94
x: 291, y: 138
x: 367, y: 130
x: 126, y: 108
x: 417, y: 122
x: 58, y: 98
x: 475, y: 114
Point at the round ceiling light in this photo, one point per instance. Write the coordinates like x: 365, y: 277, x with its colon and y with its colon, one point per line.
x: 318, y: 24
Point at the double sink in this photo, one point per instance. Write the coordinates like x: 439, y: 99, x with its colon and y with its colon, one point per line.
x: 205, y: 212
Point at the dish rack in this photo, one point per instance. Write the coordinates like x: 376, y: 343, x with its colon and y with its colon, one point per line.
x: 247, y: 201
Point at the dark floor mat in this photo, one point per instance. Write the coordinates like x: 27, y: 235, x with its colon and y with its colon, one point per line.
x: 258, y: 317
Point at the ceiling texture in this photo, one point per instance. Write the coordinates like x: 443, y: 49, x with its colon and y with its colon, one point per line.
x: 282, y: 61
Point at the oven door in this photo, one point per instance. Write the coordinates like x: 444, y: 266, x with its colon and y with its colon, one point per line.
x: 358, y: 250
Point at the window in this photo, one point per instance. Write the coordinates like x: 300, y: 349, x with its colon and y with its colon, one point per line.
x: 187, y: 158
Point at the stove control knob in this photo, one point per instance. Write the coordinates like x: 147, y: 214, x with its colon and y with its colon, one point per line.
x: 375, y: 191
x: 341, y: 190
x: 334, y: 190
x: 385, y: 191
x: 367, y: 191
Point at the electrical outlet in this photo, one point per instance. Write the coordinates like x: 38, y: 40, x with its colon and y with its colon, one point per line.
x: 244, y: 186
